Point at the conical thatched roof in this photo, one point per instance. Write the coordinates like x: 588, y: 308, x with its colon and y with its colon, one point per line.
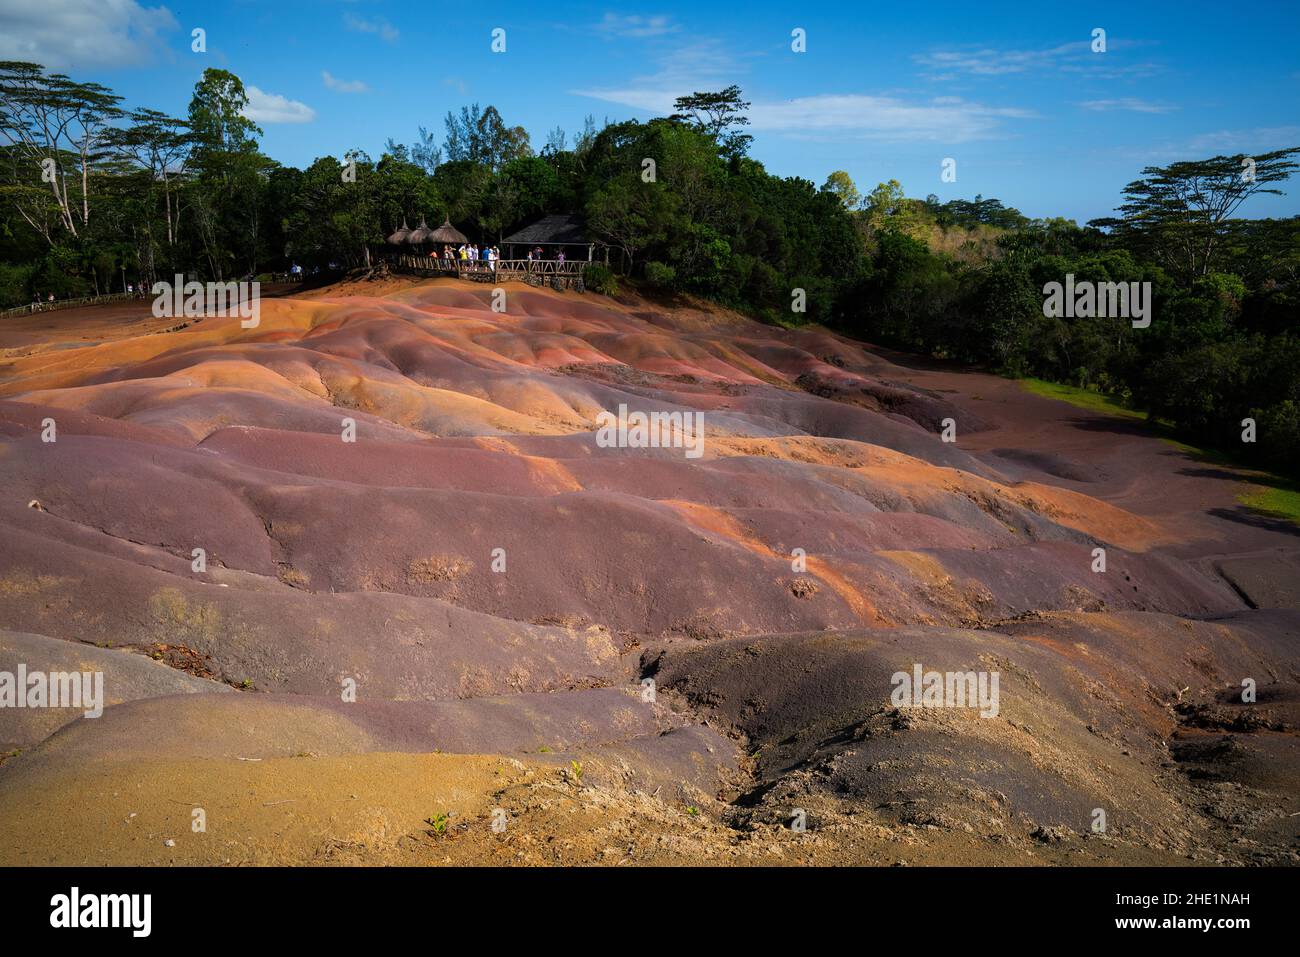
x: 399, y: 237
x: 420, y: 234
x: 447, y: 233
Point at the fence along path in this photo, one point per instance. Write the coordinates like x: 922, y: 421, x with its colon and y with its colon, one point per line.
x: 537, y: 272
x: 31, y: 307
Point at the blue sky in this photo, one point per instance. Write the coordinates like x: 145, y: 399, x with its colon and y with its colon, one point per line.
x: 1012, y: 92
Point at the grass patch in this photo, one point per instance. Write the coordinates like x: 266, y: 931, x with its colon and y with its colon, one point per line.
x: 1083, y: 398
x: 1278, y: 501
x: 787, y: 321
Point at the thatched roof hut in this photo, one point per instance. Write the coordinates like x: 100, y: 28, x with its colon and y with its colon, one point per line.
x: 400, y: 236
x: 420, y: 234
x: 560, y: 229
x: 419, y: 240
x: 447, y: 233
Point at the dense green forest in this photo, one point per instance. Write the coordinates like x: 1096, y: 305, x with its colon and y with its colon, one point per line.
x: 97, y: 195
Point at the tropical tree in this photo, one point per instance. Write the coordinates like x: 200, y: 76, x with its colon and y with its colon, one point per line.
x: 1181, y: 212
x: 54, y: 129
x: 720, y: 115
x: 481, y: 136
x: 230, y: 172
x: 840, y: 184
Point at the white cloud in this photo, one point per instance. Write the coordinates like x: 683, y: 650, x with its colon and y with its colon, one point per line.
x: 1074, y: 57
x: 78, y: 34
x: 944, y: 120
x: 273, y: 108
x: 342, y: 86
x: 1248, y: 142
x: 941, y: 120
x: 1263, y: 139
x: 1127, y: 103
x: 697, y: 64
x: 636, y: 26
x: 380, y: 27
x: 991, y: 62
x: 651, y: 99
x: 708, y: 64
x: 704, y: 64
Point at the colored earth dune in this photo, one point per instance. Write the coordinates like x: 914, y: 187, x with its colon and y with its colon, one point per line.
x: 638, y: 656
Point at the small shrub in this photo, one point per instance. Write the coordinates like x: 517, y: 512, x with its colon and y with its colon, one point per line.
x: 600, y: 279
x: 660, y: 274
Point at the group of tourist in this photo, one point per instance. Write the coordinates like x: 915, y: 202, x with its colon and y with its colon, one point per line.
x: 535, y: 255
x: 471, y: 254
x: 475, y: 257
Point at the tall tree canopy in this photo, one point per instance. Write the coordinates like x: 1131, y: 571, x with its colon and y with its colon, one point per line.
x: 841, y: 185
x: 720, y: 115
x: 481, y: 136
x: 54, y: 128
x: 1181, y: 211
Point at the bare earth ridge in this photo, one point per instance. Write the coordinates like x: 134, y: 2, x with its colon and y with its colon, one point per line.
x: 480, y: 689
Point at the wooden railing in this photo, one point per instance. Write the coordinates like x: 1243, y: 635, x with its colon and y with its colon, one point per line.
x: 48, y: 306
x: 537, y: 272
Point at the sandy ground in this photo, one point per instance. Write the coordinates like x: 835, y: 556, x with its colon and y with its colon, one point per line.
x: 432, y: 809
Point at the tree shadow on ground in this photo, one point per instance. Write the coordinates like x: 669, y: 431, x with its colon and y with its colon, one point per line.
x: 1257, y: 518
x: 1104, y: 422
x: 1224, y: 474
x: 918, y: 363
x: 1210, y: 464
x: 1217, y: 465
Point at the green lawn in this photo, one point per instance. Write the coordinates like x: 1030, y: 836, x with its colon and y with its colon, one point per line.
x: 1083, y: 398
x: 1274, y: 501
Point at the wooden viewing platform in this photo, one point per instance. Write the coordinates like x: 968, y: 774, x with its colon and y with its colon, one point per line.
x: 535, y: 272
